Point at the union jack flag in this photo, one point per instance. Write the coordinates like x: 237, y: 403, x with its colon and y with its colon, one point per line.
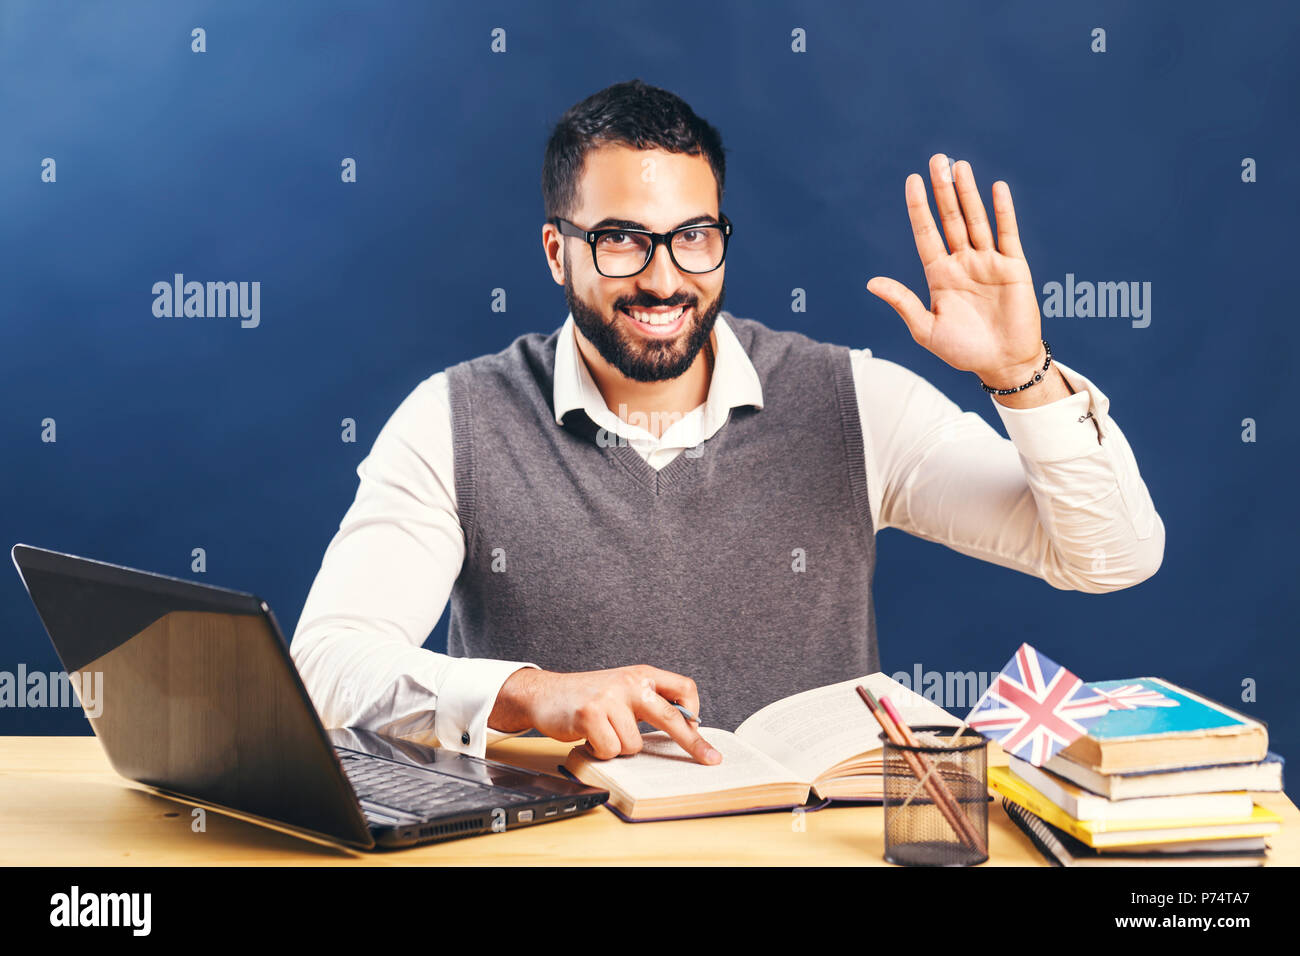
x: 1036, y: 707
x: 1133, y: 696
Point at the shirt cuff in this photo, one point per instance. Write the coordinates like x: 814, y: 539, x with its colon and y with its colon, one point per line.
x: 465, y: 699
x: 1070, y: 427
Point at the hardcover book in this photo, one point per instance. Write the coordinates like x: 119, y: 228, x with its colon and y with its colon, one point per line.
x: 1154, y: 725
x: 1083, y: 805
x: 1263, y: 775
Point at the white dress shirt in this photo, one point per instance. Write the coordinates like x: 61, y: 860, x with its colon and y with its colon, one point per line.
x: 1061, y: 500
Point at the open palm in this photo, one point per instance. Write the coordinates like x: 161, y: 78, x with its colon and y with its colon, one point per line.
x: 983, y: 315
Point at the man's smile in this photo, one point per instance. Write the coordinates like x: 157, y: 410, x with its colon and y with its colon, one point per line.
x: 658, y: 322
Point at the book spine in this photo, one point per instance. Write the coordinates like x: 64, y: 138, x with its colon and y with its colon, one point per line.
x: 1043, y: 808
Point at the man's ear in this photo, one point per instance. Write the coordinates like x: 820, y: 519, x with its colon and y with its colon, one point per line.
x: 553, y: 247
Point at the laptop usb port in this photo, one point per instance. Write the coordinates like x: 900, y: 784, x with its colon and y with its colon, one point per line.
x: 551, y: 811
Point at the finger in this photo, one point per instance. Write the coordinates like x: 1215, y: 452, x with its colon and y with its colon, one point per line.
x: 945, y: 197
x: 624, y: 724
x: 675, y: 687
x: 602, y: 739
x: 1008, y: 231
x: 972, y: 207
x: 929, y: 244
x: 662, y: 714
x: 918, y: 318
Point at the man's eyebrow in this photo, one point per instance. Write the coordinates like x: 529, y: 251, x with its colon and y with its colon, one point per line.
x: 609, y: 222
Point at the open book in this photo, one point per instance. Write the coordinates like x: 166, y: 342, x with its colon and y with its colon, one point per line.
x: 822, y: 741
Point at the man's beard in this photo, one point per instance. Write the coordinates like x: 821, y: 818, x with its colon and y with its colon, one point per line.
x: 643, y: 360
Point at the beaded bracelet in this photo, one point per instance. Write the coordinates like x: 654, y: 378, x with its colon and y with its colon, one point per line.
x: 1038, y: 377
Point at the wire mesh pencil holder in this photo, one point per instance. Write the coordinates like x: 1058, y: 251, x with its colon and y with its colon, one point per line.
x: 936, y: 799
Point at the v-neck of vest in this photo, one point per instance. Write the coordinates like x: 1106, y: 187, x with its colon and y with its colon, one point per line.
x: 656, y: 481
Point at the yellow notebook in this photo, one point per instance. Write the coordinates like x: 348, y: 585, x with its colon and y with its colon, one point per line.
x: 1112, y: 833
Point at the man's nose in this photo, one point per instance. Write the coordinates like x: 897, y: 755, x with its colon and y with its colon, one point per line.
x: 660, y: 277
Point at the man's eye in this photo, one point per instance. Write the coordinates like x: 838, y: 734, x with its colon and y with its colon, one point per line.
x: 615, y: 238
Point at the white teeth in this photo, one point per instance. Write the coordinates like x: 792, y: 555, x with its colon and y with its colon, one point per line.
x: 657, y: 318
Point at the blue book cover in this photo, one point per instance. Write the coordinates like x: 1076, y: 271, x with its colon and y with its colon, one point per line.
x: 1148, y: 707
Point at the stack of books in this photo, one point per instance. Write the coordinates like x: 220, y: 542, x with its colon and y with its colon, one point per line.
x: 1164, y: 778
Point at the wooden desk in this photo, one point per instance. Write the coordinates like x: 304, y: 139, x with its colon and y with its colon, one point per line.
x: 61, y: 804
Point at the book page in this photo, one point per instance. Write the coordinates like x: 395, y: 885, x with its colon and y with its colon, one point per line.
x: 813, y: 731
x: 664, y: 769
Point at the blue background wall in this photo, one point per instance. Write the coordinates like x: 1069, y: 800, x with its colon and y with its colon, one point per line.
x: 225, y: 165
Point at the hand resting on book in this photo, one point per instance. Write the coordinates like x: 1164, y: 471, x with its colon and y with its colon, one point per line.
x: 602, y: 706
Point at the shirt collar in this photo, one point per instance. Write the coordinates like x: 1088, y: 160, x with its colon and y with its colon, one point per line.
x: 734, y: 382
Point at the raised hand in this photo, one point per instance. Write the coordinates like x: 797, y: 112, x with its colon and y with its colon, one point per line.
x: 983, y: 315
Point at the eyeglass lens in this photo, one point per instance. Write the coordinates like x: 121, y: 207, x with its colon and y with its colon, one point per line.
x: 698, y: 249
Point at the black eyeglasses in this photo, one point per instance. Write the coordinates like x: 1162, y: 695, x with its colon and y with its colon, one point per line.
x: 619, y: 253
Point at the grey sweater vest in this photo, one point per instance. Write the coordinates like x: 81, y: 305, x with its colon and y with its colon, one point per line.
x: 745, y: 564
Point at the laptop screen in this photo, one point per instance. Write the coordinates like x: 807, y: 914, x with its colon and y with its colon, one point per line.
x: 197, y: 692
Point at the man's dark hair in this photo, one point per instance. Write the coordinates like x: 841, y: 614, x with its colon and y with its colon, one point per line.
x: 633, y: 114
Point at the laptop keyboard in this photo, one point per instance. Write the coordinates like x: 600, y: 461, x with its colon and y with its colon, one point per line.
x: 425, y: 794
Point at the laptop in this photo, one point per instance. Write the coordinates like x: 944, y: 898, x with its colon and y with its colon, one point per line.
x: 200, y: 700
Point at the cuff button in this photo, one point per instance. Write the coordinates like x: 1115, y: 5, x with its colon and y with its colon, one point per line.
x: 464, y: 738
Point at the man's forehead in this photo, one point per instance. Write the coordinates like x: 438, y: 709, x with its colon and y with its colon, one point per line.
x: 654, y: 187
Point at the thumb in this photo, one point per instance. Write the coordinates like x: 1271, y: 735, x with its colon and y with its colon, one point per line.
x: 906, y: 304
